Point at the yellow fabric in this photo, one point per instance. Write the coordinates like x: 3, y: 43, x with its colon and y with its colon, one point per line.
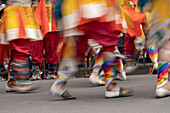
x: 160, y: 10
x: 162, y: 7
x: 132, y: 17
x: 78, y: 12
x: 69, y: 7
x: 70, y: 48
x: 157, y: 28
x: 83, y: 2
x: 12, y: 17
x: 49, y: 13
x: 19, y: 22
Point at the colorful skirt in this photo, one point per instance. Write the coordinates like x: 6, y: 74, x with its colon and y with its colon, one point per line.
x: 18, y: 22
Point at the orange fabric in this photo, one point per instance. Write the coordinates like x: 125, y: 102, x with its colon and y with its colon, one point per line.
x: 133, y: 19
x: 22, y: 34
x: 51, y: 18
x: 54, y: 24
x: 41, y: 17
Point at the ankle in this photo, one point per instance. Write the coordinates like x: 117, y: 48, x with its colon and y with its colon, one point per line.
x: 113, y: 87
x: 166, y: 85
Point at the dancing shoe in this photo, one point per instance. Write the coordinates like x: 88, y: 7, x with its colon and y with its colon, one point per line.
x: 121, y: 93
x: 121, y: 76
x: 162, y: 92
x: 96, y: 80
x: 59, y: 90
x: 12, y: 87
x: 50, y: 77
x: 35, y: 77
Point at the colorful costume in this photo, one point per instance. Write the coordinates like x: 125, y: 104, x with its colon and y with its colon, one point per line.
x: 51, y: 40
x: 157, y: 33
x: 19, y: 28
x: 97, y: 19
x: 50, y: 44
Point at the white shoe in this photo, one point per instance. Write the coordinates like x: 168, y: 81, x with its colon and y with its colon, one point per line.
x: 56, y: 90
x: 102, y: 73
x: 122, y: 76
x: 59, y: 90
x: 122, y: 92
x: 162, y: 92
x: 96, y: 80
x: 110, y: 94
x: 21, y: 88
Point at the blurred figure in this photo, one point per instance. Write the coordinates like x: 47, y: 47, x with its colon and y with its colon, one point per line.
x: 94, y: 77
x: 18, y: 29
x: 132, y: 21
x: 4, y: 50
x: 157, y: 33
x: 51, y: 41
x: 37, y: 47
x: 96, y: 20
x: 49, y: 45
x: 120, y: 67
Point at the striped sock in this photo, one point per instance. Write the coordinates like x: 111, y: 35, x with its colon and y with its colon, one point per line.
x: 52, y: 69
x: 153, y: 53
x: 119, y: 64
x: 110, y: 72
x: 162, y: 74
x: 19, y: 70
x: 98, y: 60
x: 35, y: 68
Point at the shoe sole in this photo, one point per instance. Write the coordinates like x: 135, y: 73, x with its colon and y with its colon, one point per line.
x: 26, y: 90
x: 69, y: 98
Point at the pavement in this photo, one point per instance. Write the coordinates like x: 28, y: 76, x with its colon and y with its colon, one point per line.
x: 90, y: 98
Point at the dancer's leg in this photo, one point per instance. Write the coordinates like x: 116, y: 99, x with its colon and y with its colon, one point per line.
x: 66, y: 69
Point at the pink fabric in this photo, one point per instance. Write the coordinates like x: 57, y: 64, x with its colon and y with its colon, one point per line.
x: 82, y: 45
x: 4, y: 52
x: 109, y: 49
x: 20, y: 49
x: 37, y: 51
x: 103, y: 33
x: 129, y: 46
x: 51, y: 43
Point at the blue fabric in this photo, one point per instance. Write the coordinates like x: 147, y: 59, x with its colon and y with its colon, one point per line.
x: 141, y: 3
x: 57, y: 9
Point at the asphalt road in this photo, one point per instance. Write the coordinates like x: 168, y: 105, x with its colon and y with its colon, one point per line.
x: 90, y: 98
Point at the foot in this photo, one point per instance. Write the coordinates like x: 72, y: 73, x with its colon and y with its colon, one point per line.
x: 50, y: 77
x: 59, y: 90
x: 96, y: 80
x: 163, y: 91
x: 115, y: 91
x: 20, y: 88
x: 35, y: 77
x: 121, y: 76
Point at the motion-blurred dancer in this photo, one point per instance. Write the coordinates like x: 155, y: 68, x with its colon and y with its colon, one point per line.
x: 19, y: 28
x: 157, y: 32
x: 49, y: 43
x: 97, y: 20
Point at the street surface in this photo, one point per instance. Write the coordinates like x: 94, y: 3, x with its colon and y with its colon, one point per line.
x: 90, y: 98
